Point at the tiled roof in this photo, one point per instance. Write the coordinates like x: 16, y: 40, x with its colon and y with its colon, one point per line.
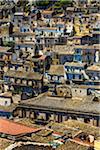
x: 86, y: 128
x: 56, y: 70
x: 63, y: 49
x: 24, y: 75
x: 79, y: 105
x: 95, y: 46
x: 94, y: 68
x: 13, y: 128
x: 75, y: 64
x: 47, y: 12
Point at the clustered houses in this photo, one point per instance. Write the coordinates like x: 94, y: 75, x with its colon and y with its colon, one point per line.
x: 51, y: 50
x: 50, y: 74
x: 28, y: 82
x: 75, y: 71
x: 54, y: 136
x: 88, y: 54
x: 67, y: 102
x: 5, y: 58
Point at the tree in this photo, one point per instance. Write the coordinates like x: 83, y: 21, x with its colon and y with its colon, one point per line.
x: 41, y: 2
x: 63, y: 2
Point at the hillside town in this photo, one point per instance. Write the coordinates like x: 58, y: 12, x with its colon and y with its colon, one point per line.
x: 49, y: 74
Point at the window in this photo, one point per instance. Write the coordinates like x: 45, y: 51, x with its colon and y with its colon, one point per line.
x: 24, y: 82
x: 1, y: 55
x: 80, y: 76
x: 49, y: 77
x: 30, y: 83
x: 55, y: 78
x: 18, y: 81
x: 51, y: 33
x: 78, y: 50
x: 27, y: 68
x: 26, y: 49
x: 18, y: 47
x: 12, y: 80
x: 73, y: 76
x: 86, y: 120
x: 56, y: 41
x: 80, y: 91
x: 19, y: 20
x: 33, y: 83
x: 61, y: 79
x: 5, y: 102
x: 24, y: 30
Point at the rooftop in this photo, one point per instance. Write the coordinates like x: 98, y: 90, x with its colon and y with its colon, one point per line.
x: 4, y: 49
x: 4, y: 20
x: 8, y: 108
x: 74, y: 37
x: 12, y: 128
x: 46, y: 28
x: 24, y: 75
x: 59, y: 15
x: 63, y: 49
x: 4, y: 143
x: 84, y: 127
x: 72, y: 145
x: 77, y: 105
x: 56, y: 70
x: 6, y: 94
x: 25, y: 43
x: 94, y: 67
x: 76, y: 64
x: 33, y: 147
x: 47, y: 12
x: 95, y: 46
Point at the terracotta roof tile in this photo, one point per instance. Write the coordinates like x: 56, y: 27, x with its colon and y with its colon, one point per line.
x: 12, y: 128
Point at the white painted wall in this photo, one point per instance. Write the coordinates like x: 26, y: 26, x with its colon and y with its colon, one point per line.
x: 79, y: 92
x: 5, y: 101
x: 97, y: 56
